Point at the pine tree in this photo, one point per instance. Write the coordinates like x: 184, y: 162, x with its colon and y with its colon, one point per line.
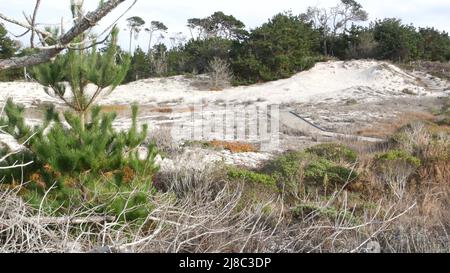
x: 79, y: 164
x: 7, y: 46
x: 8, y: 49
x: 81, y: 67
x: 135, y: 24
x: 139, y: 67
x: 154, y: 27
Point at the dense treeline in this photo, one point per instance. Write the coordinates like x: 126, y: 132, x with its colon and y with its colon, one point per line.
x: 390, y: 39
x: 284, y: 45
x: 288, y: 43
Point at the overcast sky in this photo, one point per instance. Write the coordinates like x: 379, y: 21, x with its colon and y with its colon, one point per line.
x: 174, y: 13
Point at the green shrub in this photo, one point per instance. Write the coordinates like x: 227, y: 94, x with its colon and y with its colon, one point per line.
x: 322, y: 170
x: 254, y: 177
x: 342, y: 174
x: 393, y: 156
x: 128, y: 202
x: 292, y: 170
x: 98, y: 148
x: 286, y: 165
x: 287, y: 170
x: 129, y: 205
x: 334, y: 152
x: 394, y: 169
x: 318, y: 169
x: 13, y: 123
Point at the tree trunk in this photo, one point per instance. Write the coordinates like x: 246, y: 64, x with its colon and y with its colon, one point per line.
x: 83, y: 121
x: 131, y: 38
x: 150, y: 45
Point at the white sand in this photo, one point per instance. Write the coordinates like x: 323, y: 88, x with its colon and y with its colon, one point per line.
x: 198, y: 159
x: 327, y: 82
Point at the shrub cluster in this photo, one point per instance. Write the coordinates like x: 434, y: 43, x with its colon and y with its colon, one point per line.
x: 322, y: 166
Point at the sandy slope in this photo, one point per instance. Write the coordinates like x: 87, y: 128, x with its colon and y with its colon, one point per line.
x: 331, y: 83
x: 327, y: 82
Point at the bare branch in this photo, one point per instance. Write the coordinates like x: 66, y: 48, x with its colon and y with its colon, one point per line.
x: 22, y: 24
x: 87, y: 22
x: 33, y: 22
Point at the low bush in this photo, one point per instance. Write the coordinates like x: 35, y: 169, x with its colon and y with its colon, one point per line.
x: 323, y: 170
x: 397, y: 156
x: 253, y: 177
x: 295, y: 170
x: 334, y: 152
x: 288, y: 170
x: 427, y: 143
x: 394, y: 168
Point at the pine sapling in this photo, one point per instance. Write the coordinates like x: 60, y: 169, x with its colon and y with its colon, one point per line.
x: 81, y: 70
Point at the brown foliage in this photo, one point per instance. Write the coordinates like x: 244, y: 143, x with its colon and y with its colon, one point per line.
x: 234, y: 147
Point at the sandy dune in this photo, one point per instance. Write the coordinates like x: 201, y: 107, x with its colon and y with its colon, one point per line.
x: 328, y: 85
x: 327, y: 82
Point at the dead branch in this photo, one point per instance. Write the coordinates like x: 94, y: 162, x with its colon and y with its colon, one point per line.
x: 63, y: 220
x: 33, y: 22
x: 86, y: 23
x: 24, y: 25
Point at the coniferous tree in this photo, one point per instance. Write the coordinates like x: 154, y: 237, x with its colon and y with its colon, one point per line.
x: 8, y: 49
x: 396, y: 41
x: 135, y: 24
x: 80, y: 68
x: 139, y: 67
x: 278, y: 49
x: 154, y: 27
x: 7, y: 46
x: 435, y: 44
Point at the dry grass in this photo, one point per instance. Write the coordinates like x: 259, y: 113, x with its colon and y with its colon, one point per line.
x: 388, y: 127
x: 115, y: 108
x: 163, y: 139
x: 205, y: 217
x: 197, y: 213
x: 437, y: 69
x: 172, y: 110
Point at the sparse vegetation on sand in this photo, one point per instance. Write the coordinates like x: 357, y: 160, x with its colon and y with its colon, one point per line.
x: 359, y: 152
x: 327, y: 198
